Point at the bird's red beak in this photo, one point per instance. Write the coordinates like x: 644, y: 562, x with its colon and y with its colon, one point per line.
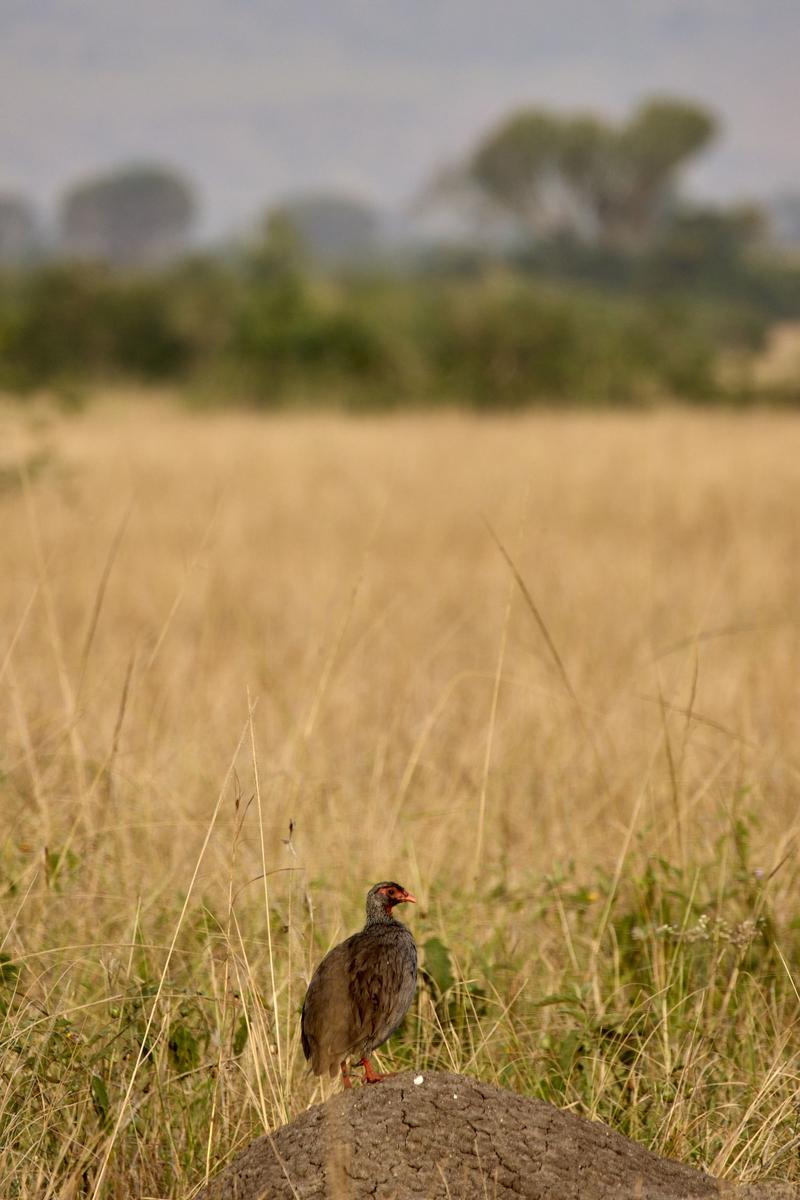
x: 408, y: 898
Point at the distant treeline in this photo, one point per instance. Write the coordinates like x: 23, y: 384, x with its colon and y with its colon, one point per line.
x: 265, y: 328
x: 536, y: 177
x: 570, y: 270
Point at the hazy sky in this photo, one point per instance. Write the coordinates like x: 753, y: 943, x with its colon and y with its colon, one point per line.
x: 254, y: 98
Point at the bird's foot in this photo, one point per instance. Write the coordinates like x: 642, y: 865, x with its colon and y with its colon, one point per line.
x: 371, y: 1076
x: 346, y: 1080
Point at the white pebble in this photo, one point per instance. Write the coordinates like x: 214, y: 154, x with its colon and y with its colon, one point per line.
x: 418, y: 1079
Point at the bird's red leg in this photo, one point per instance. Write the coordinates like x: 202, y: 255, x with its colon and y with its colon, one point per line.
x: 371, y: 1076
x: 346, y: 1080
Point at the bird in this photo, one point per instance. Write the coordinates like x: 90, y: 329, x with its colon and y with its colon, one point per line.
x: 361, y: 990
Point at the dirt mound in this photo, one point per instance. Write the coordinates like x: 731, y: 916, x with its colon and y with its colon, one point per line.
x: 456, y: 1138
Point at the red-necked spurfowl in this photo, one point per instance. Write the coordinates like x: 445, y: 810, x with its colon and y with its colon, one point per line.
x: 361, y: 990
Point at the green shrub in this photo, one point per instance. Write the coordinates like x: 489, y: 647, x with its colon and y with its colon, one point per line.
x: 265, y: 328
x: 77, y: 322
x: 516, y: 343
x: 287, y: 333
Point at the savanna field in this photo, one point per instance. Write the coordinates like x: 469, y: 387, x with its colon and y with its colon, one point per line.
x: 540, y: 669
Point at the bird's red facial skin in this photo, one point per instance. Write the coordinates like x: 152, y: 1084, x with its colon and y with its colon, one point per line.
x: 396, y: 896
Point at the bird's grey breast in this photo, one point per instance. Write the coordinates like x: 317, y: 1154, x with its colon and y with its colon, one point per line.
x: 394, y: 981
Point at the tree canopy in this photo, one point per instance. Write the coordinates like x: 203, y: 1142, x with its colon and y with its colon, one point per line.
x: 18, y: 229
x: 331, y: 228
x: 586, y: 175
x: 139, y: 214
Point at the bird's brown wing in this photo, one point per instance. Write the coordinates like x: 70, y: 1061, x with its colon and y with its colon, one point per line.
x: 327, y: 1023
x: 357, y: 997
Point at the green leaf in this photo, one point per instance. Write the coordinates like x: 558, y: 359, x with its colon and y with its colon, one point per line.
x: 8, y: 970
x: 100, y: 1097
x: 558, y: 998
x: 241, y: 1035
x: 58, y: 863
x: 438, y: 965
x: 183, y: 1048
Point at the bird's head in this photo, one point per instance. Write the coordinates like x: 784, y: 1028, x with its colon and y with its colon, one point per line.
x: 382, y: 897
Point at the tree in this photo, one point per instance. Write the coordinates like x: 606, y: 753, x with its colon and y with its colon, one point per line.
x: 513, y: 163
x: 18, y: 230
x: 333, y: 229
x: 784, y: 219
x: 137, y: 215
x: 706, y: 245
x: 581, y: 174
x: 660, y: 138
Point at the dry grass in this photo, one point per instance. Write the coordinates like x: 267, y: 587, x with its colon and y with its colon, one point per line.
x: 215, y: 626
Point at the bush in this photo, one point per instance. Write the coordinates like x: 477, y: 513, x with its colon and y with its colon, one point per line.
x: 515, y: 343
x: 77, y: 322
x: 286, y: 333
x: 264, y: 327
